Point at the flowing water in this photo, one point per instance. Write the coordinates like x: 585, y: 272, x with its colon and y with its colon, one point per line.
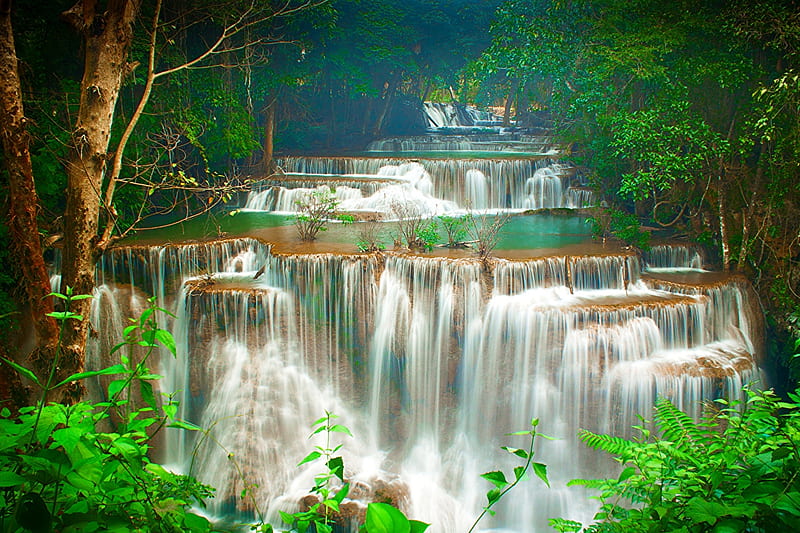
x: 430, y: 359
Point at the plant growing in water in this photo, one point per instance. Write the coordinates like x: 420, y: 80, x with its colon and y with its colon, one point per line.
x: 455, y: 229
x: 485, y: 231
x: 314, y: 210
x: 416, y: 231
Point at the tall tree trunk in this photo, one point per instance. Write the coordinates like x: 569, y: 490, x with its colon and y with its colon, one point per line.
x: 107, y: 38
x: 23, y: 200
x: 387, y: 104
x: 723, y: 226
x: 512, y: 92
x: 268, y: 161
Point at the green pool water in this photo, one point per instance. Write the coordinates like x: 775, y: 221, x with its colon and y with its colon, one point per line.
x: 521, y: 232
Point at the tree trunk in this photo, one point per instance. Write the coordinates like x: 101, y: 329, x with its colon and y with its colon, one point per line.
x: 723, y: 227
x: 107, y: 38
x: 512, y: 92
x: 23, y: 200
x: 268, y: 161
x: 387, y: 104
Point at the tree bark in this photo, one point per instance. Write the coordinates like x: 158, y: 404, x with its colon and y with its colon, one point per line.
x: 723, y: 227
x: 107, y: 37
x: 387, y: 104
x: 23, y: 200
x: 268, y: 160
x: 512, y: 92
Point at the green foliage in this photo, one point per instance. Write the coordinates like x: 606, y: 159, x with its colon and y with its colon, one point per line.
x: 665, y: 145
x: 612, y: 222
x: 384, y: 518
x: 426, y: 236
x: 318, y: 516
x: 84, y: 467
x: 734, y: 470
x: 497, y: 478
x: 315, y: 209
x: 417, y: 232
x: 368, y: 237
x: 454, y: 228
x: 381, y: 517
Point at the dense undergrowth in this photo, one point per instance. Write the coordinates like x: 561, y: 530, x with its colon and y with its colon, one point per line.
x: 735, y: 470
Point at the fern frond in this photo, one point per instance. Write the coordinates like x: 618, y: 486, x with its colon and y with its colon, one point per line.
x: 608, y: 443
x: 678, y: 427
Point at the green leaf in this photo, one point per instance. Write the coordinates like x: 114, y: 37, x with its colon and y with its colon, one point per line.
x: 729, y: 526
x: 336, y: 466
x: 196, y: 522
x: 417, y: 526
x: 146, y: 390
x: 68, y: 437
x: 338, y: 428
x: 626, y: 473
x: 383, y: 518
x: 115, y: 387
x: 313, y: 456
x: 129, y: 450
x: 519, y: 472
x: 10, y: 479
x: 497, y: 478
x: 165, y: 337
x: 116, y: 369
x: 65, y: 315
x: 519, y: 452
x: 183, y: 424
x: 22, y: 370
x: 541, y: 472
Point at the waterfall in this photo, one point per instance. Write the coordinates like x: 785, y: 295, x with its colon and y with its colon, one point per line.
x: 430, y: 360
x: 674, y: 256
x: 524, y: 183
x: 442, y: 115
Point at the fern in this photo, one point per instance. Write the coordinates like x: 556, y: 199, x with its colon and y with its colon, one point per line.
x: 609, y: 444
x: 678, y: 427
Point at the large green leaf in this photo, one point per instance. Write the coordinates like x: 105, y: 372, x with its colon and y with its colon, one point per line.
x: 111, y: 370
x: 496, y: 477
x: 22, y: 370
x: 383, y: 518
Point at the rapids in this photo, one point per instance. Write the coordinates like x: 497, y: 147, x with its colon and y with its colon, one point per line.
x: 430, y: 360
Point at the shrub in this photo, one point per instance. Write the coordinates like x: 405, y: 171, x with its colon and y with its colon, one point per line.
x: 60, y: 471
x: 734, y: 470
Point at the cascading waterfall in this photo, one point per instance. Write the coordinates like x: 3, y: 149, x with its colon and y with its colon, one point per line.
x: 405, y: 348
x: 674, y: 256
x: 452, y: 143
x: 524, y: 183
x: 431, y: 361
x: 441, y: 115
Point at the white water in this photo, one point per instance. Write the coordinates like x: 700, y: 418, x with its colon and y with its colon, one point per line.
x: 467, y: 183
x: 430, y: 362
